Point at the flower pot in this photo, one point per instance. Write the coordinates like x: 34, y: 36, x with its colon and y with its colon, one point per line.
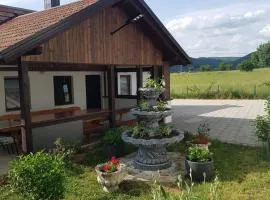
x: 198, y: 169
x: 113, y: 150
x: 110, y: 181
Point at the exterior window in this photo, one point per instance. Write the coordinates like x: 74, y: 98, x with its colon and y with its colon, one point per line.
x: 125, y: 85
x: 12, y: 94
x: 62, y: 90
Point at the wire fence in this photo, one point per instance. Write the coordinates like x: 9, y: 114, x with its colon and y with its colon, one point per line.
x: 216, y: 91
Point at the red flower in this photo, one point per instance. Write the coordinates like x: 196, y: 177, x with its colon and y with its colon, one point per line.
x: 107, y: 168
x: 114, y: 161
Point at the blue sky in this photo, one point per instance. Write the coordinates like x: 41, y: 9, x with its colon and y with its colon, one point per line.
x: 204, y: 28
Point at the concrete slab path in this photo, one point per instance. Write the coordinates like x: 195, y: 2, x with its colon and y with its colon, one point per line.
x: 230, y: 121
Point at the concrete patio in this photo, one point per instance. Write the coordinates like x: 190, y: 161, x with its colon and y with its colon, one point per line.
x: 230, y: 121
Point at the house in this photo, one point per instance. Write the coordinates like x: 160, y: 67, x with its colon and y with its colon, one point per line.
x: 68, y: 64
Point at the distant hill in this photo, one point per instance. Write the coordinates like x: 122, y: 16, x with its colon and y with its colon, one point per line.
x: 213, y: 61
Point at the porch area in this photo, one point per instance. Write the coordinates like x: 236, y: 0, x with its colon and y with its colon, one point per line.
x: 80, y: 109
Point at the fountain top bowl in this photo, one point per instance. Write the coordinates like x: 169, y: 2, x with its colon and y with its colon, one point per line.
x: 126, y: 136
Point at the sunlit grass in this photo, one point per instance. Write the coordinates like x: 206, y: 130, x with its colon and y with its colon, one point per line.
x: 225, y: 84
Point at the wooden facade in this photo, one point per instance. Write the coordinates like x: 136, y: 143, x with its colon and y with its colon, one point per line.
x: 91, y: 42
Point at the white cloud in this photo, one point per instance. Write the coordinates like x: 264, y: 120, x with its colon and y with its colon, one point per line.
x: 265, y: 31
x: 234, y: 30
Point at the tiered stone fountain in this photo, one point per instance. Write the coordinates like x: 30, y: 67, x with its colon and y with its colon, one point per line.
x: 152, y: 152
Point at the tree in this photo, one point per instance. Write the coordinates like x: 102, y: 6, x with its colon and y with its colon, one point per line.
x: 205, y: 68
x: 263, y: 55
x: 246, y: 65
x: 255, y: 58
x: 222, y: 66
x: 228, y: 67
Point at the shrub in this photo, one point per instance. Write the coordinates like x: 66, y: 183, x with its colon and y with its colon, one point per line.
x: 246, y: 65
x: 38, y: 176
x: 199, y: 154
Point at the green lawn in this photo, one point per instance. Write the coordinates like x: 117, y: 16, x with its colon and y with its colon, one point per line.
x: 222, y: 84
x: 241, y: 172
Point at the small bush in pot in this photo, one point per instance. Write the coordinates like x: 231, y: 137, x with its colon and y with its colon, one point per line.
x: 200, y: 162
x: 38, y: 176
x: 113, y: 143
x: 111, y: 174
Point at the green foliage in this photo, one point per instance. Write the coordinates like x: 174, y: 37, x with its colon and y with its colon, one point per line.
x: 205, y: 68
x: 186, y: 191
x: 161, y: 106
x: 229, y: 67
x: 38, y: 176
x: 143, y: 105
x: 246, y: 65
x: 222, y: 66
x: 255, y: 59
x: 165, y: 130
x: 113, y: 136
x: 151, y: 83
x: 65, y: 150
x: 263, y: 55
x: 138, y: 131
x: 262, y: 126
x: 199, y: 154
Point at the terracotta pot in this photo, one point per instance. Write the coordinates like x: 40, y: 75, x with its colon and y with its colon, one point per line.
x: 110, y: 181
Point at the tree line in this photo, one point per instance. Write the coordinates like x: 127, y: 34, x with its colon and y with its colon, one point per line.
x: 258, y: 59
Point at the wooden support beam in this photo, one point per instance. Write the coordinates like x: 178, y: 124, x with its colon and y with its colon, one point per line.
x: 111, y: 91
x: 166, y: 74
x: 26, y: 130
x: 155, y: 73
x: 139, y: 81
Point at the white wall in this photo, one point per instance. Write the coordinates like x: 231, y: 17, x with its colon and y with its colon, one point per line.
x: 42, y: 90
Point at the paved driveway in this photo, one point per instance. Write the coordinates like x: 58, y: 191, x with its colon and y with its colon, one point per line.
x: 230, y: 120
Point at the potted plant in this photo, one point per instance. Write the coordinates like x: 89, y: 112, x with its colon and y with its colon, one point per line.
x: 199, y: 162
x: 201, y: 138
x: 113, y: 144
x: 110, y: 174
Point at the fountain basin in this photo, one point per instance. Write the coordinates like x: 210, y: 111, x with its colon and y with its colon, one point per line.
x: 152, y: 153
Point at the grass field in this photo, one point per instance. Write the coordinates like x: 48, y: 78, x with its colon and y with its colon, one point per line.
x: 222, y: 85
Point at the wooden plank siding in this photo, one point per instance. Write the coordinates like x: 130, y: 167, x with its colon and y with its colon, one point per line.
x: 90, y: 42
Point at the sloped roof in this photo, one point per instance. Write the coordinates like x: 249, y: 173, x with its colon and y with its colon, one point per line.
x: 24, y: 26
x: 24, y: 33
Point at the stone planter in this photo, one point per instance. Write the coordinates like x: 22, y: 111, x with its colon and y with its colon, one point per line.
x: 150, y: 119
x: 151, y: 94
x: 198, y: 169
x: 110, y: 181
x: 152, y: 153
